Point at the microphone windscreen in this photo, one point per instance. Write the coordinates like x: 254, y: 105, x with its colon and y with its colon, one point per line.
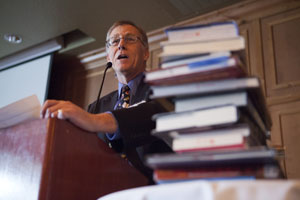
x: 108, y: 65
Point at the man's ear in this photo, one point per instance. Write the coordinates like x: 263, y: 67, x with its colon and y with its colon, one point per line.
x: 146, y: 54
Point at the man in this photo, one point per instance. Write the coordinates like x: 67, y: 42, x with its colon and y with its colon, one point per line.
x: 127, y: 130
x: 127, y: 49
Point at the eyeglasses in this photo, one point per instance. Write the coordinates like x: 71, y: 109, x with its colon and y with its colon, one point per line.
x: 130, y: 39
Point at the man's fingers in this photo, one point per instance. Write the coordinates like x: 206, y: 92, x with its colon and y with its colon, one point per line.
x: 60, y: 114
x: 56, y: 114
x: 51, y: 107
x: 59, y: 109
x: 46, y: 105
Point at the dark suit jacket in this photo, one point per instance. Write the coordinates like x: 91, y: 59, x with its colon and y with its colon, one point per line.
x: 135, y: 125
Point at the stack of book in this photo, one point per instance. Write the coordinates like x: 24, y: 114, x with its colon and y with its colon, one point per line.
x: 199, y: 53
x: 218, y: 123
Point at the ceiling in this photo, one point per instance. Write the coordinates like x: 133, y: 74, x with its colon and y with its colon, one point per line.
x: 84, y: 22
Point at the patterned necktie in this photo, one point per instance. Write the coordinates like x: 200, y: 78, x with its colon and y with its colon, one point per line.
x: 125, y: 97
x: 124, y: 103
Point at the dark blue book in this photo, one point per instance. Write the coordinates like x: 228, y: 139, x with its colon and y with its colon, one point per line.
x: 202, y: 59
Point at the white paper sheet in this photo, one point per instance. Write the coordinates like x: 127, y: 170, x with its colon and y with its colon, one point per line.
x: 20, y: 111
x: 213, y: 190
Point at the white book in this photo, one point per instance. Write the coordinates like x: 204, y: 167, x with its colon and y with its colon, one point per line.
x: 181, y: 48
x: 201, y: 102
x: 210, y: 139
x: 207, y: 87
x: 239, y: 99
x: 200, y: 32
x: 20, y: 111
x: 198, y: 118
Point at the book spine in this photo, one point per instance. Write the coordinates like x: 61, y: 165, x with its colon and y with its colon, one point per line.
x: 190, y: 68
x: 208, y: 142
x: 233, y: 44
x: 200, y: 118
x: 192, y: 103
x: 241, y: 146
x: 257, y: 171
x: 208, y: 87
x: 196, y: 58
x: 201, y: 33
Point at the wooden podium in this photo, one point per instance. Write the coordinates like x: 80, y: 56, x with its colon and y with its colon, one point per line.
x: 52, y: 159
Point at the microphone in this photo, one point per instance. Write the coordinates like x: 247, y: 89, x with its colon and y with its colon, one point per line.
x: 108, y: 65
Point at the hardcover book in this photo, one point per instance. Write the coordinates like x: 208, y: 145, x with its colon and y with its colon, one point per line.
x: 204, y: 88
x: 237, y: 98
x: 182, y: 48
x: 233, y: 137
x: 202, y: 70
x: 227, y: 114
x: 213, y: 158
x: 204, y: 58
x: 213, y: 116
x: 200, y: 32
x: 234, y: 71
x: 256, y: 171
x: 242, y: 99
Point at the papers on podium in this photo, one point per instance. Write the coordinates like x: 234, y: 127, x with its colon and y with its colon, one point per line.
x: 20, y: 111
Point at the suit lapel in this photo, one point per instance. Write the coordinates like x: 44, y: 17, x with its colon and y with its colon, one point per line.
x: 141, y: 93
x: 109, y: 102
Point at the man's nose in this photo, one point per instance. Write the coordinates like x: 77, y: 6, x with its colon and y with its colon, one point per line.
x: 121, y: 44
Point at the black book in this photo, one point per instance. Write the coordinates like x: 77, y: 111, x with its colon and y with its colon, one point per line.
x: 255, y: 155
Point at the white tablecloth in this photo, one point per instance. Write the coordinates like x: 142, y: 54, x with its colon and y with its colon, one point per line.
x: 214, y: 190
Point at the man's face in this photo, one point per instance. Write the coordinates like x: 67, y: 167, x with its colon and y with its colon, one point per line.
x: 128, y: 58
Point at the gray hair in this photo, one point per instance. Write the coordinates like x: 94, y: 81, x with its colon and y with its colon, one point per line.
x: 144, y: 37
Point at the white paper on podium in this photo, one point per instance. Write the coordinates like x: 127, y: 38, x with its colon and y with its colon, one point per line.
x: 20, y: 111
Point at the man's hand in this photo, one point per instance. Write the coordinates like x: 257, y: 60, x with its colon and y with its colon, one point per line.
x: 103, y: 122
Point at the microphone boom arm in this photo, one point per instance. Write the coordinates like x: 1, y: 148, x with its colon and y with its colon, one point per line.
x: 108, y: 65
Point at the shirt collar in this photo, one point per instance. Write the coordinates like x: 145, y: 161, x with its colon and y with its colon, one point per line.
x: 133, y: 84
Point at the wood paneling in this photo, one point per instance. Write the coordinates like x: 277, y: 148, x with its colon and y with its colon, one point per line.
x: 281, y: 45
x: 286, y: 133
x: 155, y: 49
x: 245, y: 32
x: 155, y: 58
x: 87, y: 85
x: 254, y: 56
